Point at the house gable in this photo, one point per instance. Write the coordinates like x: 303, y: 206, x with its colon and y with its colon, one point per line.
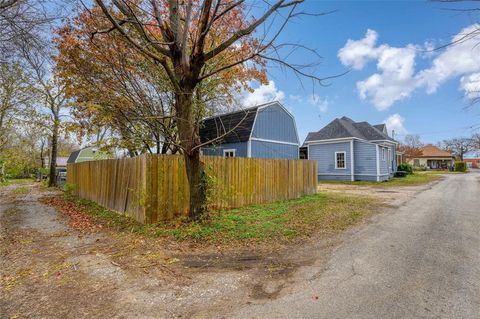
x: 265, y: 131
x: 275, y: 123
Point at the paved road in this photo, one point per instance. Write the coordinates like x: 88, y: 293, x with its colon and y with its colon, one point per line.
x: 418, y: 261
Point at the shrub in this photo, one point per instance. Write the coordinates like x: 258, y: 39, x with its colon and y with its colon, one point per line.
x: 460, y: 166
x: 406, y: 168
x: 69, y: 193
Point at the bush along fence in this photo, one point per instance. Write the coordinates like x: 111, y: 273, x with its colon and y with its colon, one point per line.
x: 153, y: 188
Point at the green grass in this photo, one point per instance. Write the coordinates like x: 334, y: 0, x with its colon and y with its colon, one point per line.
x: 276, y: 222
x: 440, y: 172
x: 20, y: 190
x: 18, y: 181
x: 419, y: 178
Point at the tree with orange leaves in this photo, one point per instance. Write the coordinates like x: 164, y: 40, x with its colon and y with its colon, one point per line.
x: 201, y: 48
x: 116, y: 87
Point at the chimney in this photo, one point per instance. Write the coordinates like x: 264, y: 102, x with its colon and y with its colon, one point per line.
x: 393, y: 134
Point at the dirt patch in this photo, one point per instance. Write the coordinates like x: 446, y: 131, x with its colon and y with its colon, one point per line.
x: 392, y: 197
x: 50, y: 268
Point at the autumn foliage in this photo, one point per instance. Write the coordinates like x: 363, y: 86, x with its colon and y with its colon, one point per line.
x: 190, y: 54
x: 113, y: 85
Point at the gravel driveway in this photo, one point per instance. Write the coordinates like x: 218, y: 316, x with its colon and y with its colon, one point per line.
x: 421, y: 260
x: 418, y: 258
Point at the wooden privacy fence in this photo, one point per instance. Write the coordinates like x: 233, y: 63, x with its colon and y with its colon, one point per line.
x: 153, y: 188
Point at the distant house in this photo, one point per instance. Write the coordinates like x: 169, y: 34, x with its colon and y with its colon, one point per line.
x: 61, y: 163
x: 263, y: 131
x: 90, y: 153
x: 60, y: 168
x: 353, y: 151
x: 432, y: 157
x: 472, y: 158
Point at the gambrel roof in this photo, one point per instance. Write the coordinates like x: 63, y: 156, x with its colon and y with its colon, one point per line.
x: 237, y: 126
x: 238, y: 123
x: 73, y: 156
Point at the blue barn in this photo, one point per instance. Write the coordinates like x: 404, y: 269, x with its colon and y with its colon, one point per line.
x: 352, y: 151
x: 263, y: 131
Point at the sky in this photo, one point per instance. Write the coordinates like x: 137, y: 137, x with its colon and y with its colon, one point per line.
x: 396, y: 73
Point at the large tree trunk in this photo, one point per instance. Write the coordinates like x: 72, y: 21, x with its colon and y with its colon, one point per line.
x: 52, y: 181
x: 189, y: 138
x: 196, y: 181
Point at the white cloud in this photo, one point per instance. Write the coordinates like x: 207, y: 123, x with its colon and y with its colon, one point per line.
x: 428, y: 49
x: 395, y: 122
x: 357, y: 53
x: 393, y: 82
x: 462, y: 58
x: 396, y: 78
x: 316, y: 100
x: 471, y: 85
x: 296, y: 98
x: 263, y: 94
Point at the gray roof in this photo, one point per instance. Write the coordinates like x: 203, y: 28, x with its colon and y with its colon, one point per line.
x: 231, y: 127
x: 73, y: 156
x: 345, y: 127
x: 380, y: 127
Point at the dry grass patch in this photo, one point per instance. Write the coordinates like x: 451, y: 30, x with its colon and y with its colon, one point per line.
x: 419, y: 178
x: 269, y: 223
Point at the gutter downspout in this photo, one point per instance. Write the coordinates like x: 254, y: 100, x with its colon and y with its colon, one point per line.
x: 378, y: 162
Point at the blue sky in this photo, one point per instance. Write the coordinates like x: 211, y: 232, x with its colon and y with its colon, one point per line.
x: 419, y: 91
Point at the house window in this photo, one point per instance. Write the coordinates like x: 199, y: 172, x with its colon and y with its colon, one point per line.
x: 384, y: 154
x: 229, y: 153
x: 339, y: 160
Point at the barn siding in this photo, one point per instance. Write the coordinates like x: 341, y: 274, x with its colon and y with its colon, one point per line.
x: 217, y: 150
x: 324, y: 154
x: 262, y: 149
x: 274, y: 123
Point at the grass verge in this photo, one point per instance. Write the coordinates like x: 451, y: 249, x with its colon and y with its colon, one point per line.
x: 419, y: 178
x: 22, y: 181
x: 275, y: 222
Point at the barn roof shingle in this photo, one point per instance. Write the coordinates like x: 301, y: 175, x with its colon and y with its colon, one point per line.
x: 235, y: 126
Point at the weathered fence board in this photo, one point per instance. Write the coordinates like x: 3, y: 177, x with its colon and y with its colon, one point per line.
x: 153, y: 188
